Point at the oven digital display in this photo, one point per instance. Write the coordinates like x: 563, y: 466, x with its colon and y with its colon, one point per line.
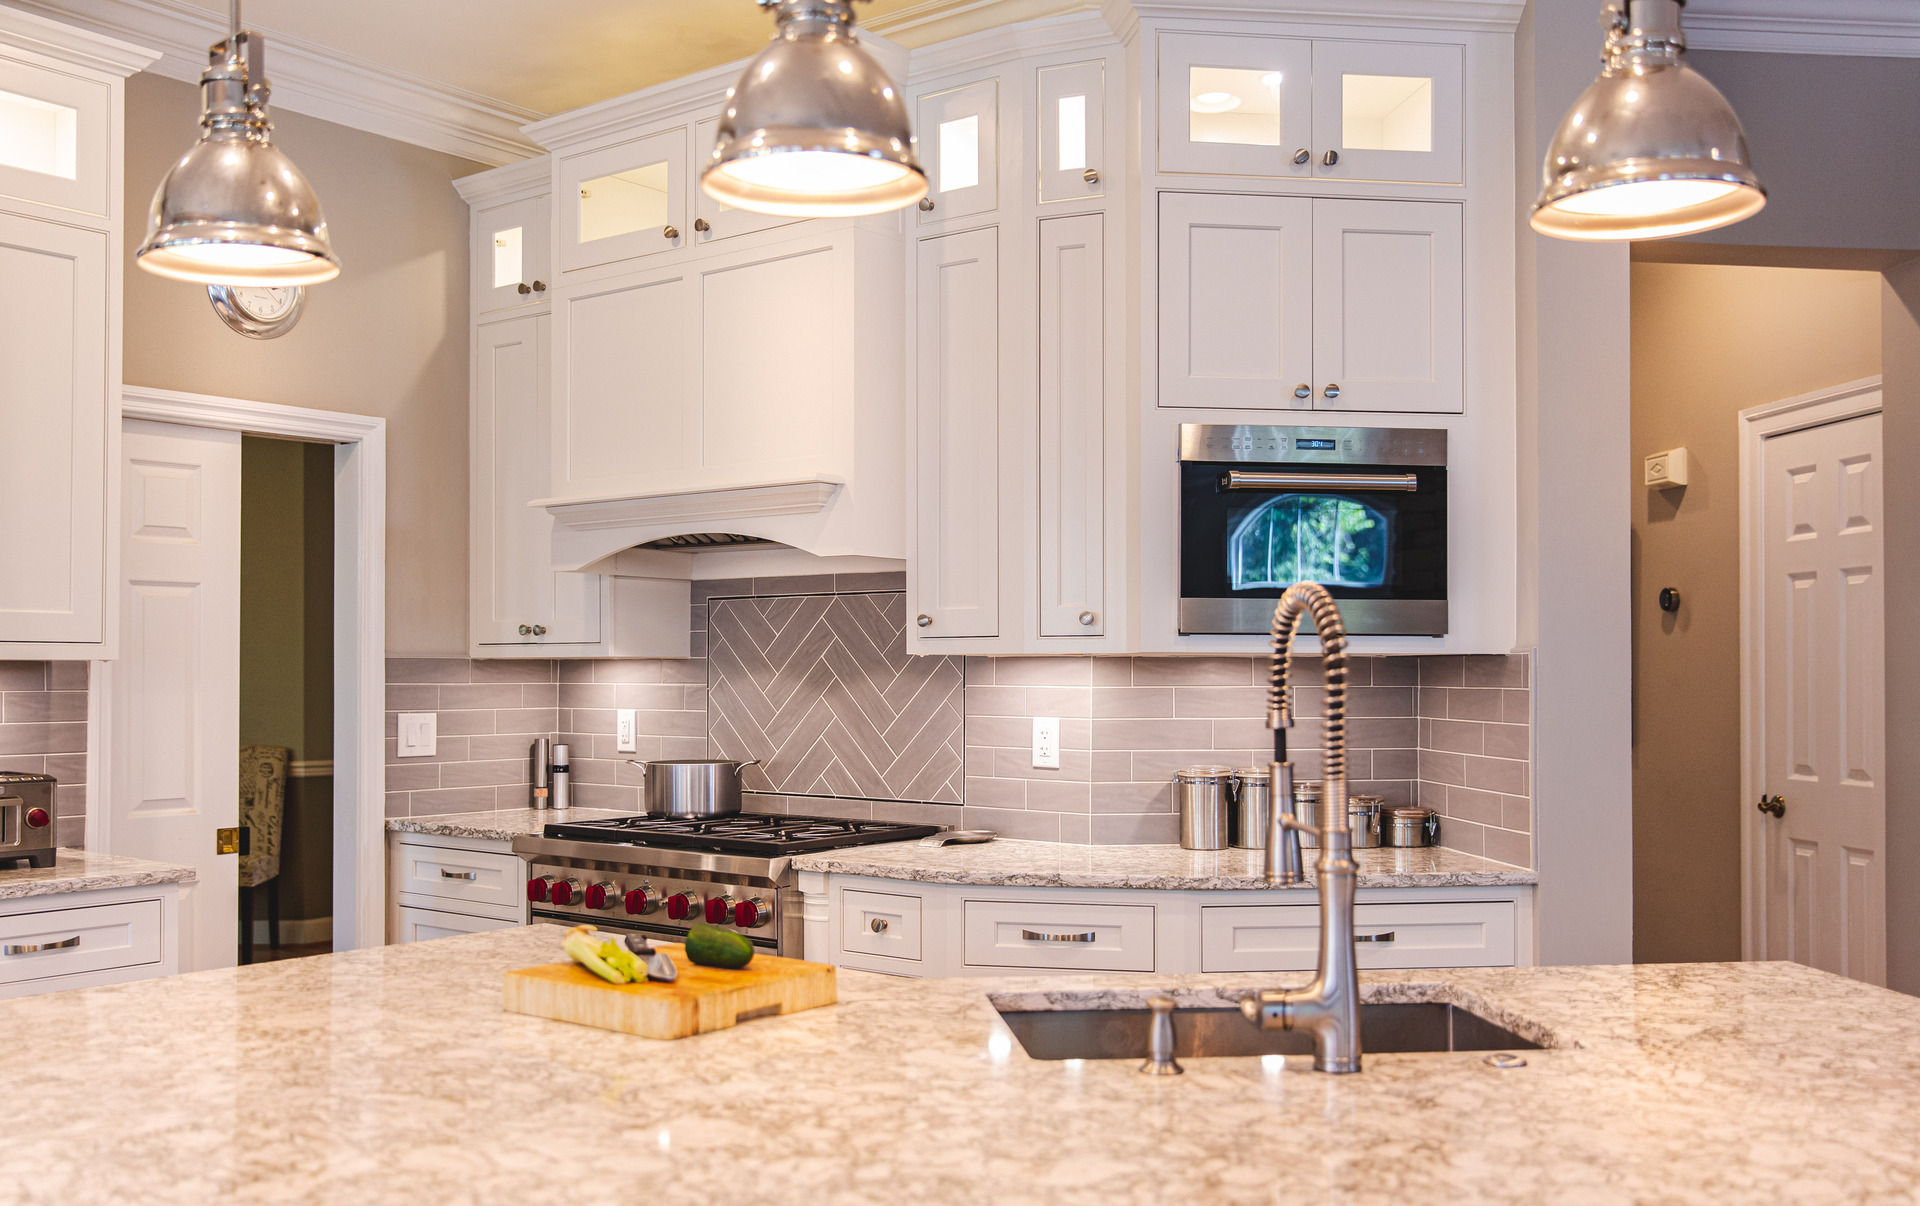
x: 1316, y: 445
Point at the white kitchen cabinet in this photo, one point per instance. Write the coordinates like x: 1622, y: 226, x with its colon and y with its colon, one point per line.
x: 713, y: 220
x: 61, y: 130
x: 512, y: 246
x: 954, y: 576
x: 81, y: 939
x: 438, y: 885
x: 1073, y: 426
x: 424, y: 925
x: 1072, y: 119
x: 623, y: 202
x: 1388, y: 301
x: 1480, y: 933
x: 1057, y: 936
x: 1388, y: 111
x: 959, y: 142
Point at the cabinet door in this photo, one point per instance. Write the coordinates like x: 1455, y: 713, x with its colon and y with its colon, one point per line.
x: 624, y: 201
x: 514, y: 585
x: 624, y: 405
x: 54, y: 137
x: 1236, y: 301
x: 1387, y: 306
x: 713, y: 219
x: 1235, y: 106
x: 1388, y: 111
x: 957, y: 418
x: 510, y: 254
x: 1073, y: 131
x: 959, y: 148
x: 1073, y: 396
x: 424, y: 925
x: 54, y: 407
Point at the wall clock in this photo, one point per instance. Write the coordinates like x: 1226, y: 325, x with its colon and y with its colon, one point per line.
x: 258, y: 311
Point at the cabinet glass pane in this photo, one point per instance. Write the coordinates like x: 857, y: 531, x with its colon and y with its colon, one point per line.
x: 624, y: 202
x: 1233, y: 104
x: 506, y: 257
x: 1073, y: 133
x: 38, y: 136
x: 959, y: 153
x: 1386, y: 113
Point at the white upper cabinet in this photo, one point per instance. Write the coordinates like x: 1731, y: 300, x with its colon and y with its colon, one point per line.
x: 624, y: 201
x: 1387, y: 111
x: 958, y: 133
x: 1387, y: 309
x: 54, y: 137
x: 1235, y: 106
x: 512, y: 243
x: 1236, y: 301
x: 1073, y: 426
x: 712, y: 219
x: 1073, y: 131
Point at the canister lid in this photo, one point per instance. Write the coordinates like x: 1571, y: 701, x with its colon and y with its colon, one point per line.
x: 1308, y: 789
x: 1413, y: 812
x: 1202, y: 774
x: 1373, y: 803
x: 1253, y: 774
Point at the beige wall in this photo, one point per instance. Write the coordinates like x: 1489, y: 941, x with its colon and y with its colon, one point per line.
x: 388, y: 337
x: 1709, y: 341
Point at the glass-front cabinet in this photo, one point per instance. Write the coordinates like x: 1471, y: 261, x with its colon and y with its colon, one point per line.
x: 715, y: 219
x: 623, y: 202
x: 1073, y: 102
x: 510, y: 253
x: 1310, y: 109
x: 959, y: 147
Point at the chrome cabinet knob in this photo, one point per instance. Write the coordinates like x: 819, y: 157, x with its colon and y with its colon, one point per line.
x: 523, y: 288
x: 702, y: 225
x: 1303, y: 390
x: 1332, y: 391
x: 1091, y: 176
x: 526, y: 630
x: 1330, y: 158
x: 539, y: 630
x: 926, y: 205
x: 1087, y: 618
x: 878, y: 925
x: 539, y: 286
x: 925, y: 621
x: 1302, y: 155
x: 672, y: 232
x: 1776, y: 805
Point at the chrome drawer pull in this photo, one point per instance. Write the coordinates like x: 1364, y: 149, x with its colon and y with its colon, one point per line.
x: 1386, y: 937
x: 1033, y: 936
x: 469, y: 876
x: 29, y: 948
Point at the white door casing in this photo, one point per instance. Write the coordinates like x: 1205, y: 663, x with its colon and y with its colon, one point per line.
x: 1813, y: 627
x: 176, y: 691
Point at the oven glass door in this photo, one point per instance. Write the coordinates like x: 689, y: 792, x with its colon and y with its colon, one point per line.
x: 1374, y: 535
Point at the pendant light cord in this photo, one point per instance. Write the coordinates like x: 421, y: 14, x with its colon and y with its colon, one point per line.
x: 233, y: 18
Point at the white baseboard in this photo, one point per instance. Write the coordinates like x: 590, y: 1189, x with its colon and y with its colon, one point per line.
x: 295, y: 932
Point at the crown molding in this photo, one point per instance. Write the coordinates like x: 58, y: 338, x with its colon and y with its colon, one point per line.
x: 514, y: 182
x: 1072, y: 32
x: 30, y: 31
x: 1862, y: 28
x: 313, y: 79
x: 1498, y: 16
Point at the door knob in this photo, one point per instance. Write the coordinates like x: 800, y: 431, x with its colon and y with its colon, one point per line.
x: 1332, y: 391
x: 1303, y: 390
x: 1330, y: 158
x: 1777, y: 805
x: 926, y: 205
x: 702, y: 225
x: 1302, y: 155
x: 1091, y: 176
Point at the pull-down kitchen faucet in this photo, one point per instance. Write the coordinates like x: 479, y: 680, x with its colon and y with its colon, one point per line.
x: 1330, y: 1005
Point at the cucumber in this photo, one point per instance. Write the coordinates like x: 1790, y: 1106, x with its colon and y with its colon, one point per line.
x: 711, y: 946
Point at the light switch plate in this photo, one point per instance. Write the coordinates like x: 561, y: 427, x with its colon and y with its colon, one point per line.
x: 419, y: 734
x: 1046, y: 742
x: 625, y: 741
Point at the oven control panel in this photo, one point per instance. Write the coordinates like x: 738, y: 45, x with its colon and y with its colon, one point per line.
x: 662, y: 901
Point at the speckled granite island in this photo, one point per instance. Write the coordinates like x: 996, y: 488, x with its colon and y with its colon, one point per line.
x: 393, y: 1076
x: 88, y: 919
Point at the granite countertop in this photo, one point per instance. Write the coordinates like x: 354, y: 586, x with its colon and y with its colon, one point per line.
x: 1058, y: 865
x: 86, y: 871
x: 502, y: 825
x: 393, y: 1075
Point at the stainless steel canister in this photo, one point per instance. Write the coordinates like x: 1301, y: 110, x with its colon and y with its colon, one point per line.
x: 1412, y: 827
x: 1363, y: 820
x: 1307, y: 795
x: 1252, y: 806
x: 1201, y: 794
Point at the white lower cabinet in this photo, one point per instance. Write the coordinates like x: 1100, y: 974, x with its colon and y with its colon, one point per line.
x: 419, y: 925
x: 438, y: 886
x: 50, y: 943
x: 907, y: 928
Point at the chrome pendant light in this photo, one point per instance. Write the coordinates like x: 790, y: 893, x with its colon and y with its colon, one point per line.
x: 234, y: 210
x: 1651, y: 149
x: 814, y: 127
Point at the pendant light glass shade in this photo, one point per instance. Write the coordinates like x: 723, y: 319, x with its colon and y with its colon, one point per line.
x: 234, y: 210
x: 1651, y: 150
x: 814, y: 127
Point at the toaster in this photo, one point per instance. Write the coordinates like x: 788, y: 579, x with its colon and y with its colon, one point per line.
x: 26, y: 818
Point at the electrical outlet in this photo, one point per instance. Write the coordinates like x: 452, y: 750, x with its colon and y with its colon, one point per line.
x: 419, y: 734
x: 624, y: 733
x: 1046, y: 742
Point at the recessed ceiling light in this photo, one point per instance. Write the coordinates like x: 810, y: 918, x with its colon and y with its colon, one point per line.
x: 1215, y: 102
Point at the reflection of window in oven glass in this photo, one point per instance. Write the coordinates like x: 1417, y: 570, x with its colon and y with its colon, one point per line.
x: 1308, y: 538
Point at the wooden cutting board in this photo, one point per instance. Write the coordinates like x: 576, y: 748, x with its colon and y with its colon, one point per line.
x: 702, y: 999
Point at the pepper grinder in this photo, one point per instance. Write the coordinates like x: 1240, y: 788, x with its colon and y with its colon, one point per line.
x: 540, y: 762
x: 562, y: 777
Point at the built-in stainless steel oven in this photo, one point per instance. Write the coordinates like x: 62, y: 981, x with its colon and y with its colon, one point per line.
x: 1360, y: 510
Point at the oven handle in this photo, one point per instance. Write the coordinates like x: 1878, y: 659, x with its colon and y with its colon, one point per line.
x: 1241, y: 479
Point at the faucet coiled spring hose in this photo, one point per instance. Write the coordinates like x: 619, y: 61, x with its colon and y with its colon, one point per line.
x: 1311, y: 598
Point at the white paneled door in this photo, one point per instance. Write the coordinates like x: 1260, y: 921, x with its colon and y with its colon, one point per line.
x: 1822, y: 858
x: 176, y: 688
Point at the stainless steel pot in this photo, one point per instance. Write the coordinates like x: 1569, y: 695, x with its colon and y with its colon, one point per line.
x: 693, y: 787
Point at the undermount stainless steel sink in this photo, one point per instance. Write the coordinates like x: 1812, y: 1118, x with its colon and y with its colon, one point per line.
x: 1199, y: 1033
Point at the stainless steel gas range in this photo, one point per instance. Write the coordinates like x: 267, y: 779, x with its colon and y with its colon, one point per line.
x: 659, y: 875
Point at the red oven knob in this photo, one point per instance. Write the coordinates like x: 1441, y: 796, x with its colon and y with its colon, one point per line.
x: 638, y: 902
x: 565, y: 891
x: 682, y: 905
x: 602, y: 895
x: 719, y: 910
x: 749, y: 913
x: 37, y: 818
x: 538, y: 887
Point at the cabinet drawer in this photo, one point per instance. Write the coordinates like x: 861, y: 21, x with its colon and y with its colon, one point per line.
x: 421, y: 925
x: 1065, y: 937
x: 470, y: 877
x: 95, y: 938
x: 1287, y: 937
x: 880, y: 923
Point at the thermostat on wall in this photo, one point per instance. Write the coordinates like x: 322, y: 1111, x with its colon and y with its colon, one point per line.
x: 1667, y: 468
